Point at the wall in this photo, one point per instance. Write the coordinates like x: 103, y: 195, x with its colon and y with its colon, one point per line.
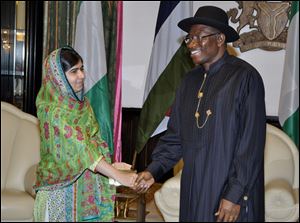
x: 139, y: 25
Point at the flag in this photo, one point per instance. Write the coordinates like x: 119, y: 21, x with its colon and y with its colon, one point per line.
x: 118, y: 87
x: 289, y: 99
x: 169, y: 62
x: 89, y: 43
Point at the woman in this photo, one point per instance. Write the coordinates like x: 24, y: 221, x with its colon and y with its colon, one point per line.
x: 70, y: 183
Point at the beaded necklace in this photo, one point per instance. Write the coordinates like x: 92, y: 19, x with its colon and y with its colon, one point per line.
x: 208, y: 112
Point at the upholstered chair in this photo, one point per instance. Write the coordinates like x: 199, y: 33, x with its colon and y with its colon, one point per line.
x: 281, y: 177
x: 20, y: 152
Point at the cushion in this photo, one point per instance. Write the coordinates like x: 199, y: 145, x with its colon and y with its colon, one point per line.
x: 279, y: 200
x: 21, y: 210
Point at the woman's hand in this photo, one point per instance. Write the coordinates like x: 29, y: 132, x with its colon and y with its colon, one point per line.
x: 120, y: 172
x: 121, y: 166
x: 126, y: 178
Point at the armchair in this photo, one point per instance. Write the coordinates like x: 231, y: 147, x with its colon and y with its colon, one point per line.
x: 281, y: 182
x: 20, y: 152
x: 167, y: 198
x: 281, y: 177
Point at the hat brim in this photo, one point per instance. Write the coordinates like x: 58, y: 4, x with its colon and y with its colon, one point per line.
x: 229, y: 32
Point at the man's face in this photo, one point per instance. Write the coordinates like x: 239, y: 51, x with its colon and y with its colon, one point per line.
x: 203, y: 45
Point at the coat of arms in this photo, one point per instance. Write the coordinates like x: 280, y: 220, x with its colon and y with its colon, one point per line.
x: 267, y: 22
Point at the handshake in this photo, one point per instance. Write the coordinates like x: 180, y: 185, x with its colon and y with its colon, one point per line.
x: 140, y: 182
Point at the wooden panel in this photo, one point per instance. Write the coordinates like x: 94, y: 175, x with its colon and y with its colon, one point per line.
x: 130, y: 121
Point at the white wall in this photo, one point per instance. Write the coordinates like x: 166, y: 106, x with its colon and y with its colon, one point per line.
x: 139, y: 20
x: 138, y: 33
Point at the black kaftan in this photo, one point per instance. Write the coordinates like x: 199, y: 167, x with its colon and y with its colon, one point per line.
x: 224, y: 159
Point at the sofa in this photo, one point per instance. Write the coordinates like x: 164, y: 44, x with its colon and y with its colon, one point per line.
x: 20, y: 153
x: 281, y: 182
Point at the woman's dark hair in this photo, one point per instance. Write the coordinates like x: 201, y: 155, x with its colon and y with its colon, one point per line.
x: 69, y: 58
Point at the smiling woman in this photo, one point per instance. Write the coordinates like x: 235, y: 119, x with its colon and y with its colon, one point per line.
x: 72, y: 65
x: 73, y: 154
x: 76, y: 77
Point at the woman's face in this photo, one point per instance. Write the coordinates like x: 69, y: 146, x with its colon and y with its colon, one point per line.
x: 76, y: 77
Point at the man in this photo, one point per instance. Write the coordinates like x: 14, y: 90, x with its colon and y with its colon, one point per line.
x: 217, y: 126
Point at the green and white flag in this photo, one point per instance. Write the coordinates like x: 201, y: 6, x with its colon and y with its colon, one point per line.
x: 289, y: 99
x: 169, y: 63
x: 89, y: 43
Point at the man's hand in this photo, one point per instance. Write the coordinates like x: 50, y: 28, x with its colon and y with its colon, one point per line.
x: 228, y: 211
x: 143, y: 181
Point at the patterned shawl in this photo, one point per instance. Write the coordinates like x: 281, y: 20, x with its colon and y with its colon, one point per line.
x: 70, y: 137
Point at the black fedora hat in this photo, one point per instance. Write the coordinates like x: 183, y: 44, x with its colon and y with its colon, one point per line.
x: 211, y: 16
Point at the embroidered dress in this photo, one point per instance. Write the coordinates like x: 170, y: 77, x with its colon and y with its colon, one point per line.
x: 68, y: 188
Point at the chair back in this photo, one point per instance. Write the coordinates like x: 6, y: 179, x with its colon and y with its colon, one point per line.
x: 20, y: 146
x: 281, y: 177
x: 281, y: 157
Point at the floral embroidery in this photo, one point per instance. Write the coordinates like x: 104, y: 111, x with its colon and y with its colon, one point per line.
x: 46, y: 128
x: 79, y: 133
x: 56, y: 131
x: 60, y: 98
x: 104, y: 144
x: 69, y: 131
